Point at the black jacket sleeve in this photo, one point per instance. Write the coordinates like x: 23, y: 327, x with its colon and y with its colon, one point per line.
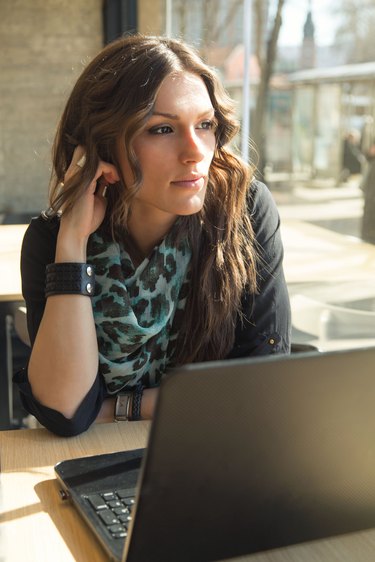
x: 38, y: 249
x: 266, y: 324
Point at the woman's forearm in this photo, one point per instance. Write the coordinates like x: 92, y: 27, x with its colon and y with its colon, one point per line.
x: 64, y: 359
x: 148, y: 403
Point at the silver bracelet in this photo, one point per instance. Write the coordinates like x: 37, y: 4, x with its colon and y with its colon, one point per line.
x: 122, y: 406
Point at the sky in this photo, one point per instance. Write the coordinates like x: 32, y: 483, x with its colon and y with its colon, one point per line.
x: 294, y: 17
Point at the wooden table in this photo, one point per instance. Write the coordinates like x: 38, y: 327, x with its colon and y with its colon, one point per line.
x: 10, y: 296
x: 37, y: 526
x: 316, y: 254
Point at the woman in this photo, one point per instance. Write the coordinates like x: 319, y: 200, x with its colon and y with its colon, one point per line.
x: 185, y: 245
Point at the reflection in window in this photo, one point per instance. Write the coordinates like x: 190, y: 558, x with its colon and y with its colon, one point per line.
x: 317, y: 107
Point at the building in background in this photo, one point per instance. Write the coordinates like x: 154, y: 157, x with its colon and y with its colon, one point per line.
x: 327, y: 104
x: 308, y: 50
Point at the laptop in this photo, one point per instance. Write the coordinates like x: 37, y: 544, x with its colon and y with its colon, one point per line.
x: 243, y: 455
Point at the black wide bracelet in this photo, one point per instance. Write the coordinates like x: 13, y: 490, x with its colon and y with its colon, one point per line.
x: 70, y: 279
x: 136, y: 403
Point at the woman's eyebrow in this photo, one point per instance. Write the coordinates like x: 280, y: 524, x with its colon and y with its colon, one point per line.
x: 162, y: 114
x: 209, y: 110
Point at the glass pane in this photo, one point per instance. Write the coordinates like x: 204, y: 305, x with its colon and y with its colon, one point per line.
x: 327, y: 143
x: 303, y: 130
x: 316, y: 115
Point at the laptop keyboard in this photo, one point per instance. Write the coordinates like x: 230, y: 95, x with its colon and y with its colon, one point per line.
x: 113, y: 510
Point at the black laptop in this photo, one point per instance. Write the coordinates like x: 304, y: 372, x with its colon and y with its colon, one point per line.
x: 243, y: 456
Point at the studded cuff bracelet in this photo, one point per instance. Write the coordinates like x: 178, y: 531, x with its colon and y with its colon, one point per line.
x: 70, y: 279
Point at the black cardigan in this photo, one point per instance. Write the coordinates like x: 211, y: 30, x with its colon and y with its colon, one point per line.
x: 265, y: 328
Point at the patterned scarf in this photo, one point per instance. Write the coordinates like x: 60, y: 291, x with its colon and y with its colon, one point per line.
x: 134, y: 309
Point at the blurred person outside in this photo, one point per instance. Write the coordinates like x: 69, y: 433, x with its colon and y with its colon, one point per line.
x: 352, y: 157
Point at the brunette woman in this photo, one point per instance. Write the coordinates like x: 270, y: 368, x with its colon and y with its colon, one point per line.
x: 158, y: 249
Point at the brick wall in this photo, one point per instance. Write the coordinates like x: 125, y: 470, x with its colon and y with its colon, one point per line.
x: 44, y: 44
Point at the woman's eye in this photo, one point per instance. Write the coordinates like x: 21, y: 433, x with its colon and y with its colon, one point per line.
x: 207, y: 124
x: 160, y: 130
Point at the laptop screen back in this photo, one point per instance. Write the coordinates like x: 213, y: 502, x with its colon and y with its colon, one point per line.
x: 249, y: 455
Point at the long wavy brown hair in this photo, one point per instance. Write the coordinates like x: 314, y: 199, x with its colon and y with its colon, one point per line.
x: 114, y: 96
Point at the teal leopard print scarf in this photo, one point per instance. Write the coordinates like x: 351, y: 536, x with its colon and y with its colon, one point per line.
x: 134, y: 309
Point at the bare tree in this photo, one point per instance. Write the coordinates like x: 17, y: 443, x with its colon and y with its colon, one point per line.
x: 266, y: 63
x: 356, y: 30
x: 209, y: 19
x: 265, y: 52
x: 182, y: 7
x: 215, y: 24
x: 259, y: 28
x: 213, y: 27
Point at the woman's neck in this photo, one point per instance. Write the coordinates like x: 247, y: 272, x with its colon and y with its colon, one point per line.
x: 146, y: 233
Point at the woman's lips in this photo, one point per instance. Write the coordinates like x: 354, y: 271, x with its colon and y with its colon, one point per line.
x: 193, y: 183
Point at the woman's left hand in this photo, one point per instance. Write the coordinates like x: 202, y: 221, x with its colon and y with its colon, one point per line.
x: 88, y: 211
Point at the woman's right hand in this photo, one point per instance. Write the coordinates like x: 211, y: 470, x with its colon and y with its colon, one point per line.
x: 88, y: 212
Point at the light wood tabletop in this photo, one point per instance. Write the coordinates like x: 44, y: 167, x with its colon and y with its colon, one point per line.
x: 38, y: 526
x: 11, y: 236
x: 316, y: 254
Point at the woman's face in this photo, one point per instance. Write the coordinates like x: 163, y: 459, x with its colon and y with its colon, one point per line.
x: 174, y: 149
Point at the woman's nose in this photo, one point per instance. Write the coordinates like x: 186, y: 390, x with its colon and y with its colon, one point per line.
x: 192, y: 147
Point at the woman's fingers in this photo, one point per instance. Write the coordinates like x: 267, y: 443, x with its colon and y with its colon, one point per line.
x: 88, y: 211
x: 78, y: 162
x: 82, y: 161
x: 101, y: 189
